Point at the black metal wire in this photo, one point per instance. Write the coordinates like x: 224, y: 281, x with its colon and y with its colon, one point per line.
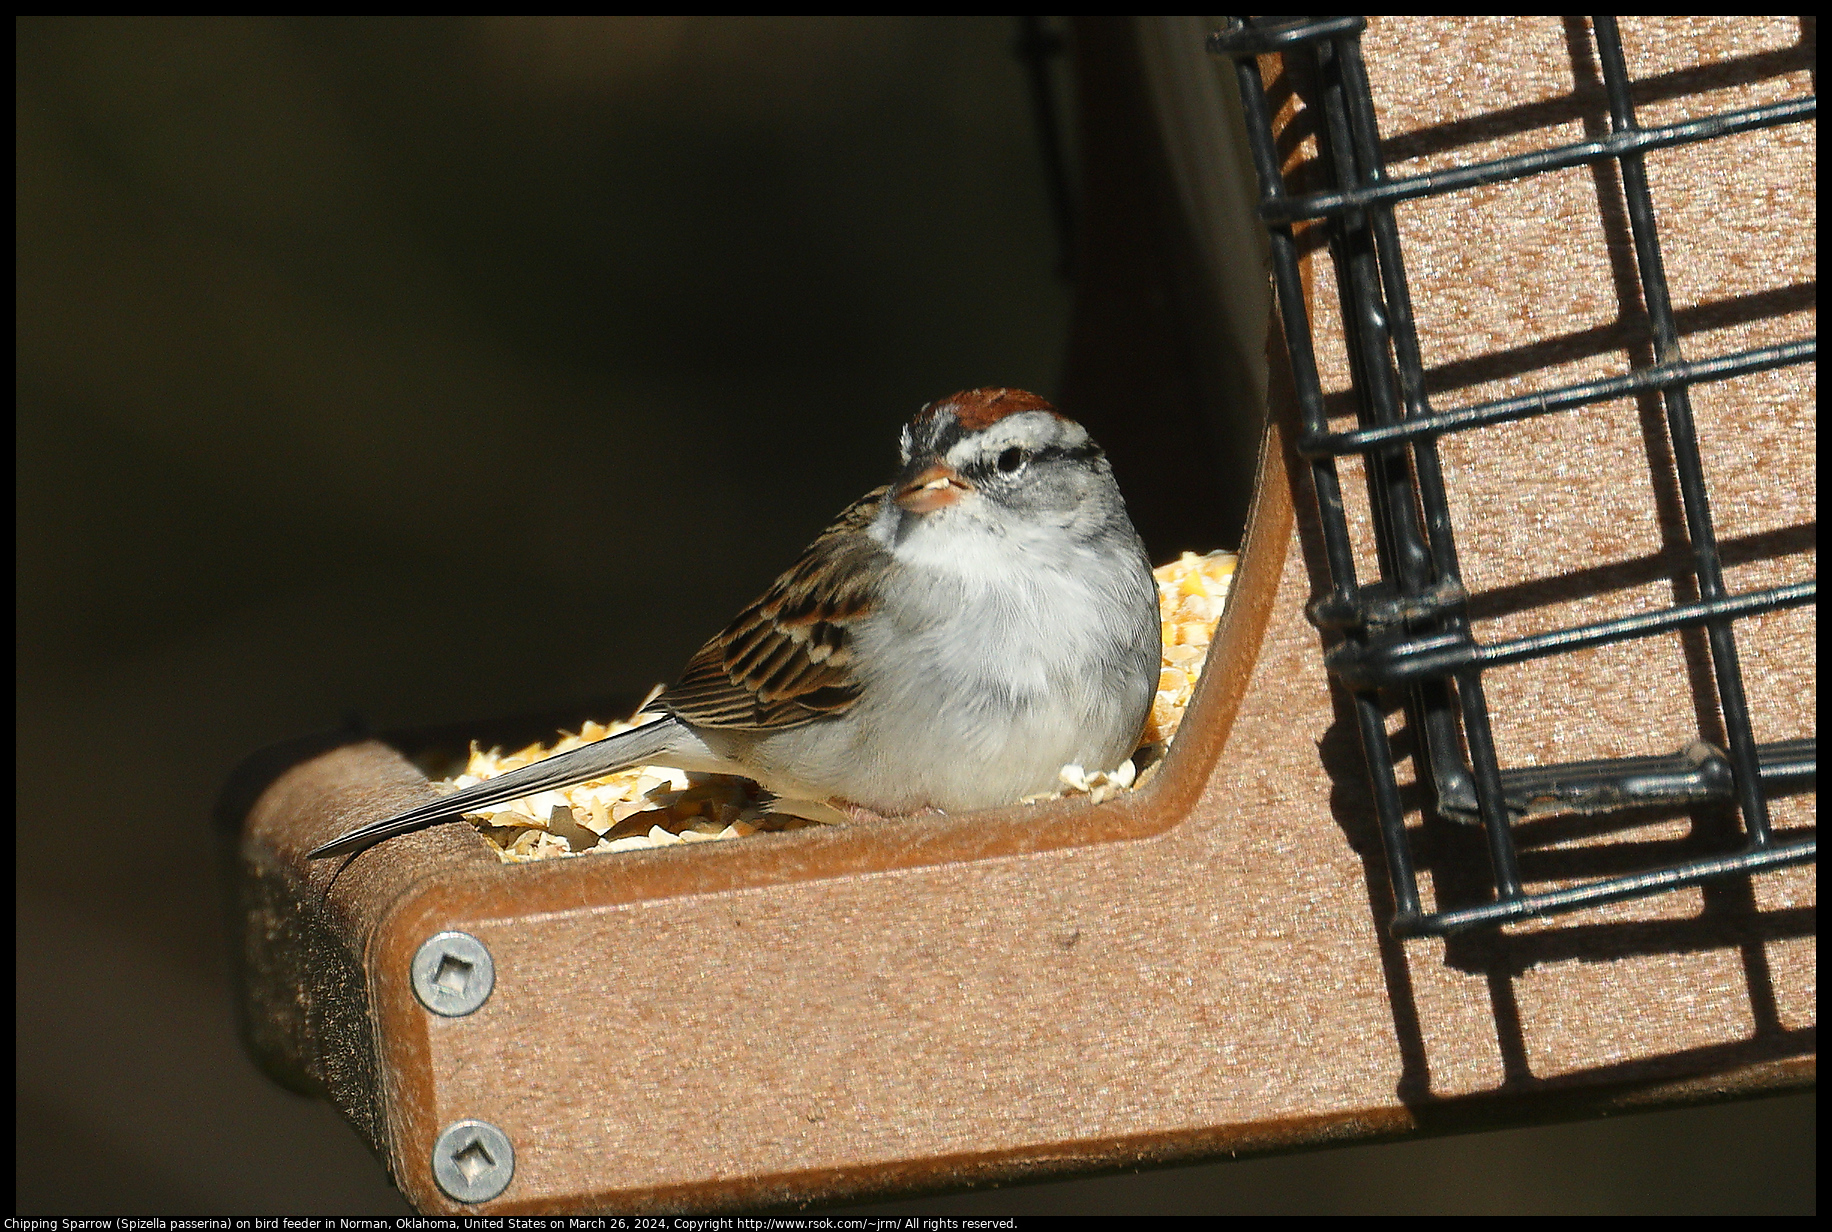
x: 1410, y: 629
x: 1683, y: 436
x: 1536, y: 162
x: 1563, y: 398
x: 1394, y: 663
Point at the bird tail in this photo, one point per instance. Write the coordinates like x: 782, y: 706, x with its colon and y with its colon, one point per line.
x: 637, y: 747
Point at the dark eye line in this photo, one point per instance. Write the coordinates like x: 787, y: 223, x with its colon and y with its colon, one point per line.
x: 1052, y: 453
x: 985, y: 468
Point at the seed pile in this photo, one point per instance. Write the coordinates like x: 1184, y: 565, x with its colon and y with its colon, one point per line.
x: 1191, y: 593
x: 657, y: 806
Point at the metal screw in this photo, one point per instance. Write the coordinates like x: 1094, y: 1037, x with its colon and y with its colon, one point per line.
x: 453, y: 974
x: 473, y: 1161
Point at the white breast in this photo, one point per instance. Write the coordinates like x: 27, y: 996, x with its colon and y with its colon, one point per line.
x: 996, y: 664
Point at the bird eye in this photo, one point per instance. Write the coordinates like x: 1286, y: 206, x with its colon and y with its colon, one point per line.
x: 1011, y: 459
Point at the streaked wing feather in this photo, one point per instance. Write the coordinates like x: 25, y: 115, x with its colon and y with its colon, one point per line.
x: 786, y: 660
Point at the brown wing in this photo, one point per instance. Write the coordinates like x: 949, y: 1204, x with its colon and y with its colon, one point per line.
x: 787, y: 658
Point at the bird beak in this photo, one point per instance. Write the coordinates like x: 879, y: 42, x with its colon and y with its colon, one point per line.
x: 935, y: 487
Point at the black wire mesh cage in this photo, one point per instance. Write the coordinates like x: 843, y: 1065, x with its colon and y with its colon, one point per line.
x: 1408, y: 631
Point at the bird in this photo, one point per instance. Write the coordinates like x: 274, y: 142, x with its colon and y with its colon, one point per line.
x: 951, y: 642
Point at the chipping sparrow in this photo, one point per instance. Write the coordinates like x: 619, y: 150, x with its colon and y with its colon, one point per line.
x: 951, y: 642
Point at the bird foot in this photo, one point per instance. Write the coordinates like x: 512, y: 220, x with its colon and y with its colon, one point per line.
x: 858, y: 812
x: 838, y: 812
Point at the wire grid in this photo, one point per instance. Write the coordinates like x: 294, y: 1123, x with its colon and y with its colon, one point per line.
x: 1410, y: 629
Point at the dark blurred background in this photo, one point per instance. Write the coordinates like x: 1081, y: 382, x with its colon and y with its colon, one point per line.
x: 438, y: 369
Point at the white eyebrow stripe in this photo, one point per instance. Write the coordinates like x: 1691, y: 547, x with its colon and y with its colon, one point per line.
x: 1032, y: 430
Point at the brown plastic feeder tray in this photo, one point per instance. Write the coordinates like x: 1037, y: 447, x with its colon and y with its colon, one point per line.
x: 1189, y: 970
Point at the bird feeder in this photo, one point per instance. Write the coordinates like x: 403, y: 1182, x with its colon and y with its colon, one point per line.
x: 1494, y: 802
